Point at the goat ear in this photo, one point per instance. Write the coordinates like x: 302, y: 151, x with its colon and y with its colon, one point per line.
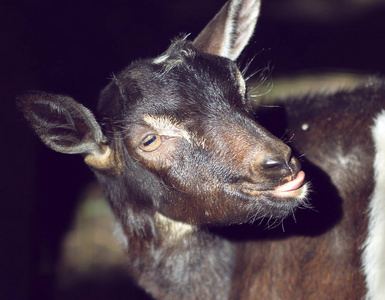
x: 230, y: 30
x: 66, y: 126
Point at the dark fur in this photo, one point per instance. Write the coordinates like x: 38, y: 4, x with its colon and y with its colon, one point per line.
x: 224, y: 176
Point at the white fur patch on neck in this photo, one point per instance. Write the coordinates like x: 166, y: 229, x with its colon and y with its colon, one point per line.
x: 120, y: 236
x: 165, y: 125
x: 172, y: 230
x: 373, y: 257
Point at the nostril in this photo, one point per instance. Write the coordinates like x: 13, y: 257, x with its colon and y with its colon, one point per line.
x: 273, y: 163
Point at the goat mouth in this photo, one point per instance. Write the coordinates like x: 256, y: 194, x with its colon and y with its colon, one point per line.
x: 294, y: 187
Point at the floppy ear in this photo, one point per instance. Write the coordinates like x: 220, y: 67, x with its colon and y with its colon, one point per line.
x: 230, y: 30
x: 66, y: 126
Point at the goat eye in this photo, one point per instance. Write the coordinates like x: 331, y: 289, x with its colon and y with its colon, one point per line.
x: 151, y: 143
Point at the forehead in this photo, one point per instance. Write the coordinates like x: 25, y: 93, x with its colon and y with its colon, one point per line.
x: 180, y: 81
x: 182, y: 54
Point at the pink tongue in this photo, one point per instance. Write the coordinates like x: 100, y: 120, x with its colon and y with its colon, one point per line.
x: 292, y: 185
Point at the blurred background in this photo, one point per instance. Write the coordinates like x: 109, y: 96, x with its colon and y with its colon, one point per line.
x: 55, y: 228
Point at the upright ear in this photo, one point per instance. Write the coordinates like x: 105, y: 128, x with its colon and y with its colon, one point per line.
x: 230, y: 30
x: 66, y: 126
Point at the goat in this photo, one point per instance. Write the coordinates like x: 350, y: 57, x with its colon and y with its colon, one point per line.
x: 184, y: 164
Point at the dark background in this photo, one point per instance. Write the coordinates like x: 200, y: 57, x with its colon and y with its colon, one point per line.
x: 73, y: 47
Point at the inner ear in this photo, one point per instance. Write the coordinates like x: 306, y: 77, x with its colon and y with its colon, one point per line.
x: 230, y: 30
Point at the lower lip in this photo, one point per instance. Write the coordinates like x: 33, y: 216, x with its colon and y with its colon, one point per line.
x: 293, y: 184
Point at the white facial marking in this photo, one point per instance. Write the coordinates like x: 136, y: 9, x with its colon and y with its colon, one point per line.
x: 161, y: 59
x: 172, y: 230
x: 167, y: 126
x: 169, y: 62
x: 373, y: 256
